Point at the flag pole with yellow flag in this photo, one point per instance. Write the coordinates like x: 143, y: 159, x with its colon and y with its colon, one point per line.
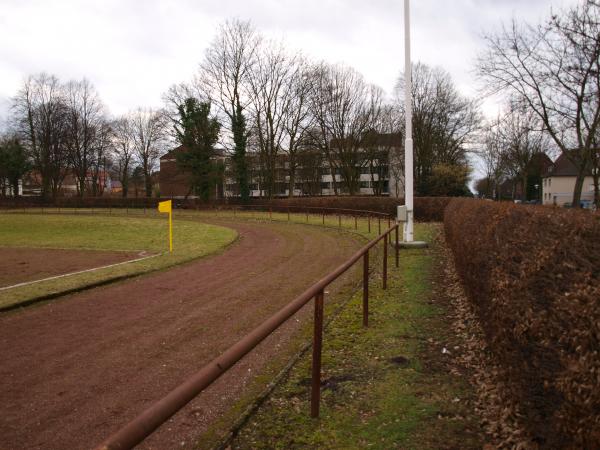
x: 166, y: 207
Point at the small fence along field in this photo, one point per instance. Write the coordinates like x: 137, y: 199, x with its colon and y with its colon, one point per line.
x: 427, y: 209
x: 373, y: 223
x: 370, y: 222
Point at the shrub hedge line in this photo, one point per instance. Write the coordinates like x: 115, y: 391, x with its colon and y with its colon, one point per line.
x: 427, y: 209
x: 533, y: 274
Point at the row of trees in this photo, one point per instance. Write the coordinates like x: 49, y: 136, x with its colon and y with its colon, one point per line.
x: 510, y: 145
x: 65, y: 130
x: 258, y: 101
x: 270, y: 102
x: 551, y: 74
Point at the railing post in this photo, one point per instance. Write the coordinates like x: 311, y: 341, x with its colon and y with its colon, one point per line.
x: 323, y: 217
x: 366, y: 289
x: 397, y: 248
x: 389, y: 236
x: 379, y: 225
x: 315, y: 397
x: 369, y: 222
x: 385, y: 257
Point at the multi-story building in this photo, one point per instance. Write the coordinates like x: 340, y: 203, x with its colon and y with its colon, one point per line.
x: 313, y: 174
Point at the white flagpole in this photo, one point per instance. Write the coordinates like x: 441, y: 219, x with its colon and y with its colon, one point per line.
x: 408, y: 146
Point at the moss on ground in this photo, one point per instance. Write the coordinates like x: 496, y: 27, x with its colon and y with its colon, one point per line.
x: 387, y: 386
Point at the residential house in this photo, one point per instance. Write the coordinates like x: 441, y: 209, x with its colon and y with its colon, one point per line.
x: 558, y: 183
x: 513, y: 188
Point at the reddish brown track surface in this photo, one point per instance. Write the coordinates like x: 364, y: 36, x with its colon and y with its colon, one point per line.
x: 18, y: 265
x: 73, y: 370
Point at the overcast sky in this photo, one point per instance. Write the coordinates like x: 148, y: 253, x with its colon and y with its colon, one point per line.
x: 133, y: 50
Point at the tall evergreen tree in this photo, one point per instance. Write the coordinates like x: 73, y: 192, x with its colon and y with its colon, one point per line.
x: 240, y: 138
x: 14, y: 162
x: 198, y: 133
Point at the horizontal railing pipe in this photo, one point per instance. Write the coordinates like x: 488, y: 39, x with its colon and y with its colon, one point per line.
x: 143, y: 425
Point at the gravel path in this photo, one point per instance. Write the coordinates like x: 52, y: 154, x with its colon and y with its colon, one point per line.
x: 74, y: 370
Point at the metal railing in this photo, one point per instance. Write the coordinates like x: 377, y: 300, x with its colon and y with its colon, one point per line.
x: 153, y: 417
x: 371, y: 216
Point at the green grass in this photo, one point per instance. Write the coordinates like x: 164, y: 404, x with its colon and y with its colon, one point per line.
x: 99, y: 232
x: 368, y: 400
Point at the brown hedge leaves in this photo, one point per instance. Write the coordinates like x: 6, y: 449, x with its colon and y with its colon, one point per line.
x: 533, y: 274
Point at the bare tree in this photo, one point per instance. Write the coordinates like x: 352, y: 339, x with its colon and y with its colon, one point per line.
x: 148, y: 130
x: 444, y: 122
x: 223, y: 78
x: 344, y: 108
x: 554, y: 70
x: 85, y: 119
x: 40, y: 115
x: 491, y: 153
x: 382, y: 146
x: 100, y: 157
x: 269, y: 106
x: 297, y: 118
x: 521, y: 136
x: 123, y: 150
x: 319, y: 135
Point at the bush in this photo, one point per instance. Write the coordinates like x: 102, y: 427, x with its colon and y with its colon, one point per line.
x: 533, y: 274
x: 427, y: 209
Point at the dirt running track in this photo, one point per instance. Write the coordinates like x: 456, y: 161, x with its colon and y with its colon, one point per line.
x: 18, y: 265
x: 73, y: 370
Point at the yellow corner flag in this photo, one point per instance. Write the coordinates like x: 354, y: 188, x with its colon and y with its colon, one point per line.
x: 166, y: 207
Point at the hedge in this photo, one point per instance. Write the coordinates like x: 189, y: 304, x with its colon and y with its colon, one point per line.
x: 427, y: 209
x: 533, y: 274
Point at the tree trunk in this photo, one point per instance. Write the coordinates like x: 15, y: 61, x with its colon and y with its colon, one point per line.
x: 15, y: 186
x: 524, y: 183
x: 596, y: 177
x: 334, y: 182
x: 292, y: 181
x: 81, y: 187
x: 147, y: 184
x: 578, y: 187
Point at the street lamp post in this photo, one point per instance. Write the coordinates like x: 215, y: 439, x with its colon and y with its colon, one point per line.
x: 408, y: 146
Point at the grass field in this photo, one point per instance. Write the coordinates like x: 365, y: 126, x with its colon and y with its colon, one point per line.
x: 367, y: 227
x: 191, y: 240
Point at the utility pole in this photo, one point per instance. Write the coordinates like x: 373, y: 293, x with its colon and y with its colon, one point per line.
x: 408, y: 145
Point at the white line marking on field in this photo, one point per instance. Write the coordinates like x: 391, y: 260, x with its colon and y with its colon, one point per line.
x: 76, y: 273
